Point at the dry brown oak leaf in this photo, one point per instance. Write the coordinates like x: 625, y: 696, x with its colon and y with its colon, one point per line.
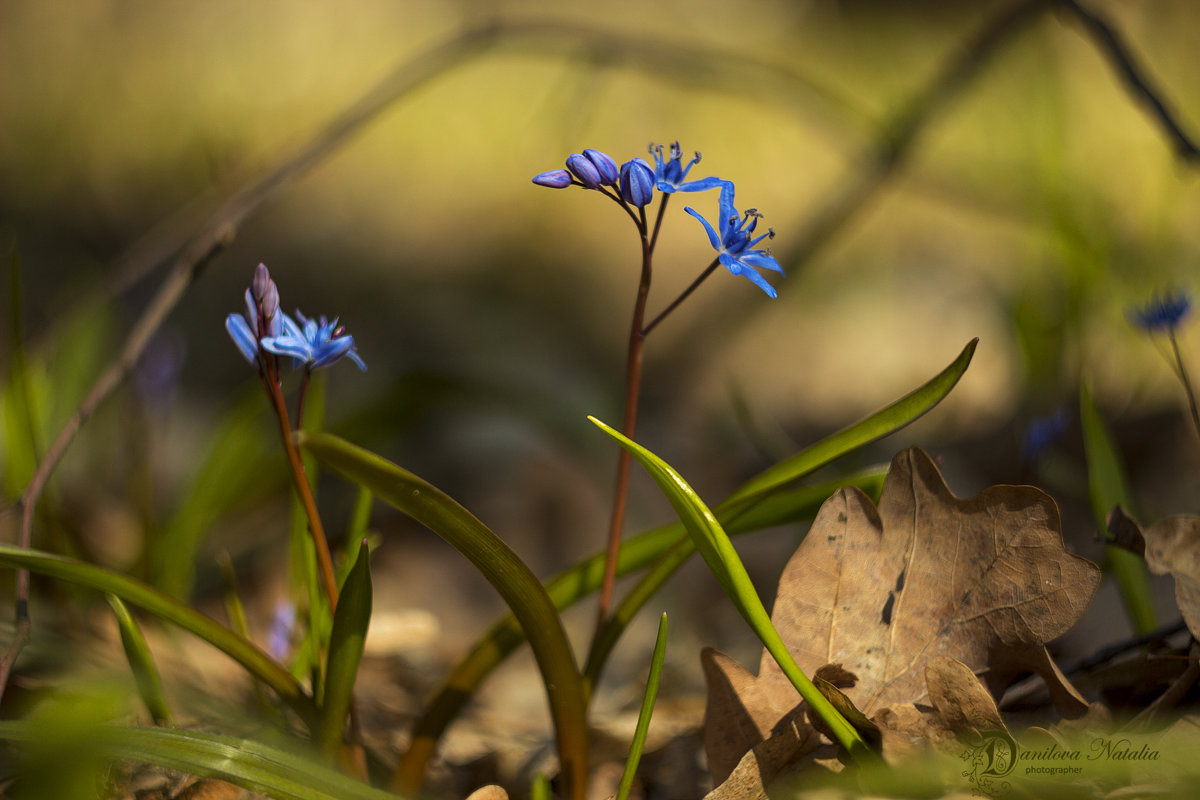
x: 1173, y: 546
x: 882, y: 591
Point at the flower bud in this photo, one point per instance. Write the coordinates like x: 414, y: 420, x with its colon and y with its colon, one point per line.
x: 262, y: 279
x: 583, y: 169
x: 637, y: 182
x: 604, y: 165
x: 270, y: 306
x: 555, y: 179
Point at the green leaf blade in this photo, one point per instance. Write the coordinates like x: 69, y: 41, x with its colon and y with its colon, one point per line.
x: 1108, y: 487
x: 246, y: 763
x: 883, y: 422
x: 346, y: 642
x: 718, y: 552
x: 646, y: 712
x: 141, y: 663
x: 252, y: 658
x: 510, y: 576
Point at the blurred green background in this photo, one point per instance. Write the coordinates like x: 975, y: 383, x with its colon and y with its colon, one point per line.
x: 1034, y: 204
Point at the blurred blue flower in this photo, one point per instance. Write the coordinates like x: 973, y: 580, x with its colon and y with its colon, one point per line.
x: 1041, y: 433
x: 1162, y: 313
x: 734, y: 245
x: 279, y: 634
x: 670, y: 173
x: 637, y: 182
x: 312, y: 343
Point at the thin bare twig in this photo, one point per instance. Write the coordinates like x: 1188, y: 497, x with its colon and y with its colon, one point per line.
x: 1139, y: 84
x: 214, y: 235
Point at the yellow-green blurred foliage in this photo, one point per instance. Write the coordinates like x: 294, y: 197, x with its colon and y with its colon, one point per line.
x: 1037, y: 204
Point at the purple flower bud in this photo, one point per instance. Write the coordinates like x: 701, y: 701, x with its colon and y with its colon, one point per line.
x: 637, y: 182
x: 270, y: 306
x: 583, y: 169
x: 555, y: 179
x: 604, y: 165
x: 262, y: 280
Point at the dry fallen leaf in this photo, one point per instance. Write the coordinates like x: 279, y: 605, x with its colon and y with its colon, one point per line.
x: 735, y: 719
x: 1173, y: 546
x: 882, y: 591
x: 959, y: 697
x: 1005, y: 663
x: 766, y: 761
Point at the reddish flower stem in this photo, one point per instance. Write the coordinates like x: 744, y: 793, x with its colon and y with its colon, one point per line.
x: 303, y: 489
x: 633, y: 385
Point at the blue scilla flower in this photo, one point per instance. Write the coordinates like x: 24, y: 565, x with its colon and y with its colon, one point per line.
x: 670, y: 173
x: 735, y: 244
x: 1163, y: 313
x: 313, y: 343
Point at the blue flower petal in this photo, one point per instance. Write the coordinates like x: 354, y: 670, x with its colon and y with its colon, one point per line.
x: 290, y: 346
x: 331, y: 350
x: 713, y: 238
x: 702, y: 184
x: 759, y: 258
x: 760, y: 282
x: 239, y: 331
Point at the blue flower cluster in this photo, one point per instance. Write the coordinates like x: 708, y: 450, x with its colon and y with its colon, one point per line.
x: 263, y: 328
x: 634, y: 183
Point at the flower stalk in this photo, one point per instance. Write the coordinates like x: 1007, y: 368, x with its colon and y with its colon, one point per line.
x: 633, y: 388
x: 264, y: 333
x: 304, y: 491
x: 633, y: 186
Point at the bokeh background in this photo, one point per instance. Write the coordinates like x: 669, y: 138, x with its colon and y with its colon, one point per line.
x: 933, y: 175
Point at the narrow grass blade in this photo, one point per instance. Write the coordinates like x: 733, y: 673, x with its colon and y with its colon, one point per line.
x: 258, y: 664
x: 1107, y: 487
x: 141, y: 663
x: 725, y: 564
x: 643, y: 722
x: 350, y: 623
x: 515, y: 582
x: 22, y: 427
x: 243, y: 762
x: 539, y: 788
